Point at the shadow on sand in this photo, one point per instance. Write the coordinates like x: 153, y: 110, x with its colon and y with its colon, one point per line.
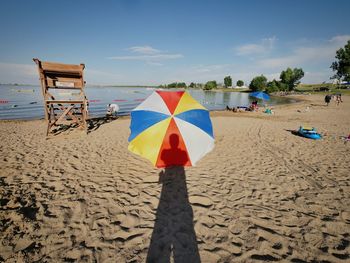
x: 173, y: 234
x: 95, y: 123
x: 63, y: 128
x: 294, y: 132
x: 92, y: 123
x: 318, y: 105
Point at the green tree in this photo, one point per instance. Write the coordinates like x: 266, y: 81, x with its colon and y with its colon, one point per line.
x: 181, y: 85
x: 240, y: 83
x: 172, y: 85
x: 227, y: 81
x: 291, y: 77
x: 258, y: 83
x: 192, y: 85
x: 273, y: 86
x: 199, y: 85
x: 210, y: 85
x: 282, y: 86
x: 342, y: 66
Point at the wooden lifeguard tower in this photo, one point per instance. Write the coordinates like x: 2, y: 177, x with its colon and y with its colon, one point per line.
x: 62, y: 86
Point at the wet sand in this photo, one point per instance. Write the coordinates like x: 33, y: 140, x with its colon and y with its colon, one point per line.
x: 262, y: 194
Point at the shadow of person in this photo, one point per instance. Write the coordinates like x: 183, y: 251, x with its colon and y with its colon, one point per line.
x: 175, y: 155
x: 173, y: 234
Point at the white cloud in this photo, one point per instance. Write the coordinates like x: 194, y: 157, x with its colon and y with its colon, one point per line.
x: 147, y: 54
x: 18, y: 73
x: 265, y: 46
x: 24, y: 69
x: 210, y: 68
x: 148, y: 57
x: 203, y: 73
x: 306, y: 55
x: 144, y: 50
x: 93, y: 76
x: 313, y: 57
x: 28, y: 74
x: 316, y: 77
x: 342, y: 39
x: 299, y: 57
x: 154, y: 63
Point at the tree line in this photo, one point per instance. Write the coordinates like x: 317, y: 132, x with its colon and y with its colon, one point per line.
x: 289, y: 79
x: 212, y: 84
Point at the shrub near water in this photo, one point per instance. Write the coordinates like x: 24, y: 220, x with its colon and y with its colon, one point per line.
x: 210, y: 85
x: 240, y: 83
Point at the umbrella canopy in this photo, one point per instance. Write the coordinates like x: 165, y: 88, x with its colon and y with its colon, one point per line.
x: 259, y: 95
x: 171, y: 129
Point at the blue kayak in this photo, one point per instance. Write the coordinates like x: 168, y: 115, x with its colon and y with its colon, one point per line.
x: 309, y: 133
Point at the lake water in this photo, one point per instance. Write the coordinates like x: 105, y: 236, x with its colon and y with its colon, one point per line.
x: 26, y: 102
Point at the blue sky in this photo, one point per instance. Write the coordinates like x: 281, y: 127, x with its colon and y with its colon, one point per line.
x: 155, y: 42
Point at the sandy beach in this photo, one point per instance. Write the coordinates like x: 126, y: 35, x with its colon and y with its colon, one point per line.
x: 262, y: 194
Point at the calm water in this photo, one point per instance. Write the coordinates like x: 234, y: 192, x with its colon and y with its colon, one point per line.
x: 21, y: 102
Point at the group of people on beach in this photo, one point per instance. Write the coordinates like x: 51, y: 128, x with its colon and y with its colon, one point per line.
x: 337, y: 98
x: 238, y: 108
x: 252, y: 107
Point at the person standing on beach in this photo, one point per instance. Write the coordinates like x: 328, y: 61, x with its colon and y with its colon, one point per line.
x: 327, y: 99
x: 338, y: 99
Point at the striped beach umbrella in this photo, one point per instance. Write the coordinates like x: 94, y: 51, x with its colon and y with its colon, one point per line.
x: 170, y: 128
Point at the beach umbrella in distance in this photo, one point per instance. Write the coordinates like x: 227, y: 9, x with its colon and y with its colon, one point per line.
x: 259, y: 95
x: 170, y: 128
